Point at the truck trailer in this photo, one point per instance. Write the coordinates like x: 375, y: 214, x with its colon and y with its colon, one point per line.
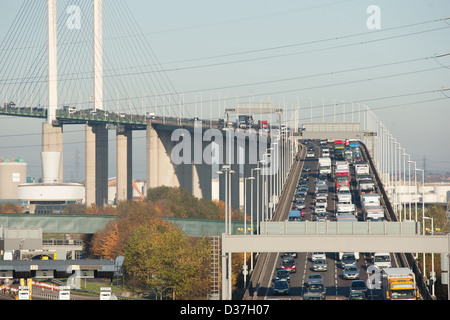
x: 398, y: 284
x: 325, y: 166
x: 371, y: 207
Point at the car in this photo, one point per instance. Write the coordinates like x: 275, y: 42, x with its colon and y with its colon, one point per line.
x: 318, y: 255
x: 289, y: 254
x: 316, y: 291
x: 357, y: 295
x: 351, y: 272
x: 314, y: 278
x: 320, y: 265
x: 310, y: 154
x: 348, y: 259
x: 300, y: 204
x: 307, y: 168
x: 304, y: 177
x: 289, y: 264
x: 311, y: 147
x: 281, y: 287
x: 320, y: 207
x: 358, y: 285
x: 283, y: 275
x: 321, y: 197
x: 321, y: 216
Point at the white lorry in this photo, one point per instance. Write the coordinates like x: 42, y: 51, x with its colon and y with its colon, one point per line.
x: 366, y: 186
x: 346, y: 209
x: 371, y: 207
x: 344, y: 195
x: 325, y: 166
x: 361, y: 167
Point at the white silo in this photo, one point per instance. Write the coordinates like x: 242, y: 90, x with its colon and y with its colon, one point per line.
x: 50, y: 166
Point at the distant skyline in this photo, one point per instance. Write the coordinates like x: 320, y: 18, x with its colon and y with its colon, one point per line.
x: 297, y: 54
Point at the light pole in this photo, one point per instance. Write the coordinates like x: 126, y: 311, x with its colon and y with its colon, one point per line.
x: 245, y: 271
x: 251, y: 210
x: 226, y: 170
x: 423, y: 210
x: 259, y: 206
x: 268, y: 181
x: 432, y: 274
x: 409, y: 184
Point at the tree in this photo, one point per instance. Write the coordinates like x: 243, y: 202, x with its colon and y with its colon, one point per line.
x: 106, y: 243
x: 182, y: 204
x: 161, y: 257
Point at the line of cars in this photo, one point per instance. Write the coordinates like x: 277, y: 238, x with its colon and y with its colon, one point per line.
x: 314, y: 287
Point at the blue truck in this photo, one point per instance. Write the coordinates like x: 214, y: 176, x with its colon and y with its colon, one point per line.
x: 295, y: 215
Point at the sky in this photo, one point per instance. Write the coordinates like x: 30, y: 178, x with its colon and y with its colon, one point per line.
x: 305, y: 56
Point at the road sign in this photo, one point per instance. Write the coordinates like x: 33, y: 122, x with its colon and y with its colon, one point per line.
x: 64, y: 293
x: 105, y: 293
x: 24, y: 293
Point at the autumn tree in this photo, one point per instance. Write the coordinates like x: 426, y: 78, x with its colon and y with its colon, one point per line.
x: 10, y: 208
x: 161, y: 257
x: 182, y: 204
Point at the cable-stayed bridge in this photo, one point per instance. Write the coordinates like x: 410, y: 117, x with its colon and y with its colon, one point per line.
x: 66, y: 70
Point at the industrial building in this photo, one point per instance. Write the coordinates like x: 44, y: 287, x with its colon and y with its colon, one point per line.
x: 13, y: 172
x: 50, y: 196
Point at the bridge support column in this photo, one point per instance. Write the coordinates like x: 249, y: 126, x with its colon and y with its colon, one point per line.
x: 52, y: 140
x: 96, y: 180
x: 124, y: 185
x: 160, y: 170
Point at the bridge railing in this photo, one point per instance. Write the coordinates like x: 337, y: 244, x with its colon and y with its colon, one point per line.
x: 339, y: 228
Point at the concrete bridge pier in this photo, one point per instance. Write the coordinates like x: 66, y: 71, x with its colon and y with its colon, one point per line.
x: 124, y: 176
x: 96, y: 178
x: 174, y: 160
x: 52, y: 140
x: 160, y: 169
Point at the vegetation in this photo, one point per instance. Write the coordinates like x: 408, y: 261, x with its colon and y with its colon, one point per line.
x: 158, y: 257
x: 10, y: 208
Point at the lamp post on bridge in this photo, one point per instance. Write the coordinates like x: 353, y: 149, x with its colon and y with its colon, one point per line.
x: 245, y: 271
x: 226, y: 289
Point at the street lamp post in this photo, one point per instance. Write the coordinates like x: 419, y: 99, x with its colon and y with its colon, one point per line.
x: 251, y: 211
x: 432, y: 273
x: 423, y: 210
x: 226, y: 170
x: 245, y: 271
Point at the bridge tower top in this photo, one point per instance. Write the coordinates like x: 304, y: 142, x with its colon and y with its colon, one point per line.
x: 52, y: 62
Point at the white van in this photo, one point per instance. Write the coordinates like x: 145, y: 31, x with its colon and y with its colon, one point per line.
x: 382, y: 259
x: 321, y: 207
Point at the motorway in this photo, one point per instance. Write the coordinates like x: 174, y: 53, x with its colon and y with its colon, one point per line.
x: 337, y: 288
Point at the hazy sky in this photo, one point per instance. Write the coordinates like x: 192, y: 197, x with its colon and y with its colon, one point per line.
x: 294, y: 53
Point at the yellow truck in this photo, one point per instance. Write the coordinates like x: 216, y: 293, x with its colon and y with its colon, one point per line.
x: 398, y: 284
